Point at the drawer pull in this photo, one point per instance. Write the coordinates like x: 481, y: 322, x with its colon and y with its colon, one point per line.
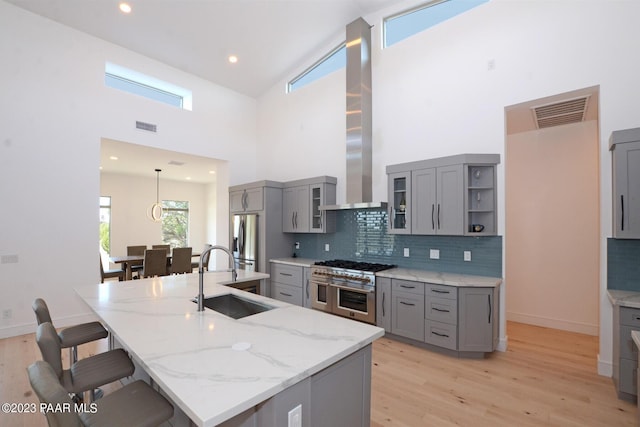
x: 407, y: 303
x: 285, y: 294
x: 438, y: 291
x: 440, y: 335
x: 441, y: 310
x: 407, y: 287
x: 286, y: 274
x: 636, y: 317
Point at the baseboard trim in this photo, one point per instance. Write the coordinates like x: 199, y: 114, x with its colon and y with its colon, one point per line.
x: 30, y: 328
x: 502, y: 344
x: 565, y: 325
x: 605, y: 368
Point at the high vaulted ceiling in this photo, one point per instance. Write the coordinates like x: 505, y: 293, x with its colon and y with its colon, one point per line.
x: 271, y: 38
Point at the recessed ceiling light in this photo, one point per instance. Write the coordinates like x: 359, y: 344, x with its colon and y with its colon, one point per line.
x: 212, y: 172
x: 188, y: 178
x: 113, y: 158
x: 233, y: 59
x: 125, y: 7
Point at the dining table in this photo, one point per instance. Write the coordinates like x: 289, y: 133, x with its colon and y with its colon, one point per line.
x: 128, y: 260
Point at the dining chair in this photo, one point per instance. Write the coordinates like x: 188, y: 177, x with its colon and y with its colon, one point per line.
x: 72, y: 336
x: 168, y: 249
x: 181, y: 260
x: 134, y: 405
x: 205, y: 261
x: 136, y: 266
x: 111, y: 273
x: 88, y: 373
x: 155, y: 263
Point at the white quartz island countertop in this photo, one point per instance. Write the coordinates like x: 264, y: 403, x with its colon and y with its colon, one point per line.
x: 200, y: 359
x: 450, y: 279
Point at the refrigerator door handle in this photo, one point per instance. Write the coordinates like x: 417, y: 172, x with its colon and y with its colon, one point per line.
x: 241, y: 232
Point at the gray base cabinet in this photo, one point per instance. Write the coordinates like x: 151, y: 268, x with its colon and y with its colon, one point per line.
x: 625, y: 146
x: 460, y: 320
x: 287, y: 283
x: 625, y: 353
x: 478, y: 321
x: 339, y: 395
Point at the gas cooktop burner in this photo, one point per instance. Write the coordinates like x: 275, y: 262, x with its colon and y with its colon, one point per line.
x: 355, y: 265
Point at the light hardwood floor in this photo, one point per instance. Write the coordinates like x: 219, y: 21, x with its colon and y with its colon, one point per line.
x: 546, y: 378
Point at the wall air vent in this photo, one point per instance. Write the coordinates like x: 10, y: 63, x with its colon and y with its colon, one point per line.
x: 560, y: 113
x: 176, y: 163
x: 146, y: 126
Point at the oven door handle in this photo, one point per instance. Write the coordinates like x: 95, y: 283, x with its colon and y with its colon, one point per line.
x: 351, y: 288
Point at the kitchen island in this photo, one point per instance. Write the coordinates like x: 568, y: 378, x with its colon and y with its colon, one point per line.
x: 221, y: 371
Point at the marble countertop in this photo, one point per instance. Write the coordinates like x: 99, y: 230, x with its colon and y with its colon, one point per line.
x: 300, y: 262
x: 624, y: 298
x: 450, y: 279
x: 198, y: 359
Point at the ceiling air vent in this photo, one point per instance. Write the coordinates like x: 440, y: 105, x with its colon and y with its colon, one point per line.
x: 146, y: 126
x: 176, y: 163
x: 560, y: 113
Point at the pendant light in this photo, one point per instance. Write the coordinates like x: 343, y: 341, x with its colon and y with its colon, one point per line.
x: 154, y: 213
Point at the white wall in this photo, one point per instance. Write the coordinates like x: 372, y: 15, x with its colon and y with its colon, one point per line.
x: 434, y: 94
x: 54, y: 111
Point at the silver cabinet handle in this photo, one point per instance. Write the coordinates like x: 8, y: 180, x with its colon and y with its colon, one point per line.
x: 489, y: 303
x: 407, y: 287
x: 407, y: 303
x: 286, y: 274
x: 383, y: 304
x: 441, y: 310
x: 285, y: 294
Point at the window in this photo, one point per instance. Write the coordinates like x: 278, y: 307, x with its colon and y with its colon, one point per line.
x: 175, y: 223
x: 139, y: 84
x: 399, y: 27
x: 105, y: 225
x: 329, y: 63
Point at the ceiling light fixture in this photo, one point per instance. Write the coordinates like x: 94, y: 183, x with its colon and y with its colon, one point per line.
x: 233, y: 59
x: 125, y: 7
x: 154, y: 213
x: 113, y: 158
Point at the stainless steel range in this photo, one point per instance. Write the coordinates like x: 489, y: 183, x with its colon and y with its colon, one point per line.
x: 346, y: 288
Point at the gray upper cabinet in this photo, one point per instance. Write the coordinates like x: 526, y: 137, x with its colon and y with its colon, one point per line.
x: 246, y: 200
x: 399, y: 188
x: 625, y: 145
x: 301, y: 205
x: 452, y: 195
x: 478, y: 319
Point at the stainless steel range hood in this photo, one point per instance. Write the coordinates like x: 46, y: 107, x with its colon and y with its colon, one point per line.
x: 358, y: 108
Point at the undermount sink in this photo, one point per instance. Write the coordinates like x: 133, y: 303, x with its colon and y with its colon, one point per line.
x: 234, y: 306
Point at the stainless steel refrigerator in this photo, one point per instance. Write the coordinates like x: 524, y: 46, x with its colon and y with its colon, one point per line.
x: 244, y: 241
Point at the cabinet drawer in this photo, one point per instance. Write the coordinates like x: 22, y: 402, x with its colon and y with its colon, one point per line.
x: 441, y: 291
x: 286, y: 293
x: 441, y: 310
x: 407, y: 286
x: 286, y: 274
x: 441, y: 334
x: 628, y: 349
x: 630, y: 317
x: 408, y: 315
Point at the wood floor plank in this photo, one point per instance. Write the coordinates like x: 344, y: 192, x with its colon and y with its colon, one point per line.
x: 546, y: 378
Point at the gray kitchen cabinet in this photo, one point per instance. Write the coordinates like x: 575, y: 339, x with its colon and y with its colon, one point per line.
x: 441, y: 316
x: 301, y: 205
x: 407, y: 309
x: 446, y: 196
x: 625, y: 146
x: 295, y: 208
x: 399, y: 188
x: 437, y: 201
x: 246, y: 200
x: 478, y: 319
x: 625, y: 353
x: 383, y: 303
x: 287, y: 283
x: 306, y: 291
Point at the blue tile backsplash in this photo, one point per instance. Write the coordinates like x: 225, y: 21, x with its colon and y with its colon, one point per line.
x: 623, y: 264
x: 361, y: 235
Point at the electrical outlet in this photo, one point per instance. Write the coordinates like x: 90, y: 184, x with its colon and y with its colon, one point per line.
x: 326, y: 247
x: 7, y: 314
x: 434, y: 253
x: 297, y: 245
x: 467, y: 255
x: 295, y: 417
x: 406, y: 252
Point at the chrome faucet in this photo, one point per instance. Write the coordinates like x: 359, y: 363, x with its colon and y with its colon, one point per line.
x: 232, y: 266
